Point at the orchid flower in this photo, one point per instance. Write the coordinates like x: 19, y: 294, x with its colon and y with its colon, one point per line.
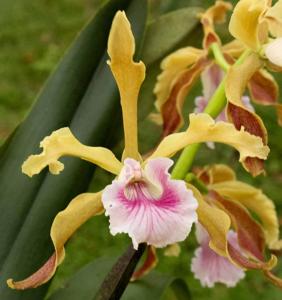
x: 258, y: 25
x: 251, y: 23
x: 143, y: 200
x: 182, y: 68
x: 230, y: 202
x: 231, y: 240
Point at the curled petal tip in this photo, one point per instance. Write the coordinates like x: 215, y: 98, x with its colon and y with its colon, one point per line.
x: 79, y: 210
x: 33, y: 166
x: 10, y: 283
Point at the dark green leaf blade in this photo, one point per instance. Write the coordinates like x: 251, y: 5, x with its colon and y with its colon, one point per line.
x: 85, y: 283
x: 167, y: 32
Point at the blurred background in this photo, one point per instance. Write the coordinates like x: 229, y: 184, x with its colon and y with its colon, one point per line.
x: 33, y: 37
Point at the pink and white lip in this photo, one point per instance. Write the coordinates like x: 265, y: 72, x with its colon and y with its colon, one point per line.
x: 211, y: 268
x: 148, y: 205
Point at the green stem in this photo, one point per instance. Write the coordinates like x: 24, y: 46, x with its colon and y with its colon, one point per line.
x: 219, y: 57
x: 214, y: 108
x: 192, y: 178
x: 185, y: 161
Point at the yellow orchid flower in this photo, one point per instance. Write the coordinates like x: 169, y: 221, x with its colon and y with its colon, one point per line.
x: 182, y: 68
x: 143, y: 201
x: 251, y: 23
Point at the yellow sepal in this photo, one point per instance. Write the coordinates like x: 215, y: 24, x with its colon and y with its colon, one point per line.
x: 129, y: 77
x: 203, y: 128
x: 63, y: 143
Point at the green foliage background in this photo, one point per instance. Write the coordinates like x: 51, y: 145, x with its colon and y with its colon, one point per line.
x: 33, y: 37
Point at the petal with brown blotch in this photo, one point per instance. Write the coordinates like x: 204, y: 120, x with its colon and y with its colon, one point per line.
x: 263, y: 88
x: 236, y: 83
x: 214, y: 14
x: 172, y: 65
x: 255, y: 201
x: 172, y: 109
x: 250, y: 233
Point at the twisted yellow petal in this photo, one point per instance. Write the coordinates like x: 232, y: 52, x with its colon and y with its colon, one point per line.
x: 215, y: 221
x: 63, y: 143
x: 171, y: 67
x: 238, y: 78
x: 236, y: 82
x: 64, y: 225
x: 129, y: 77
x: 214, y: 14
x: 246, y: 22
x: 203, y: 128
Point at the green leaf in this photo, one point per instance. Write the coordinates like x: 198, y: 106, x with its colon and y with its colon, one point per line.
x: 157, y: 286
x: 179, y: 290
x: 83, y: 95
x: 167, y: 32
x: 85, y: 283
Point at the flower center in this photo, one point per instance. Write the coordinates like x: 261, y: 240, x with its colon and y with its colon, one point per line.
x: 138, y: 187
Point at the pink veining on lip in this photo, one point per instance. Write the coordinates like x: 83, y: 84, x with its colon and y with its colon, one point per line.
x: 149, y: 205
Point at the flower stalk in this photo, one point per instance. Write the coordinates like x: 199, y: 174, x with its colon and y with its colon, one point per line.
x: 118, y: 278
x: 219, y: 57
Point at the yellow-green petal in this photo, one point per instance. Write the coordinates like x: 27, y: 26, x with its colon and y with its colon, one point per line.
x: 203, y: 128
x: 245, y: 23
x: 63, y: 143
x: 215, y: 221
